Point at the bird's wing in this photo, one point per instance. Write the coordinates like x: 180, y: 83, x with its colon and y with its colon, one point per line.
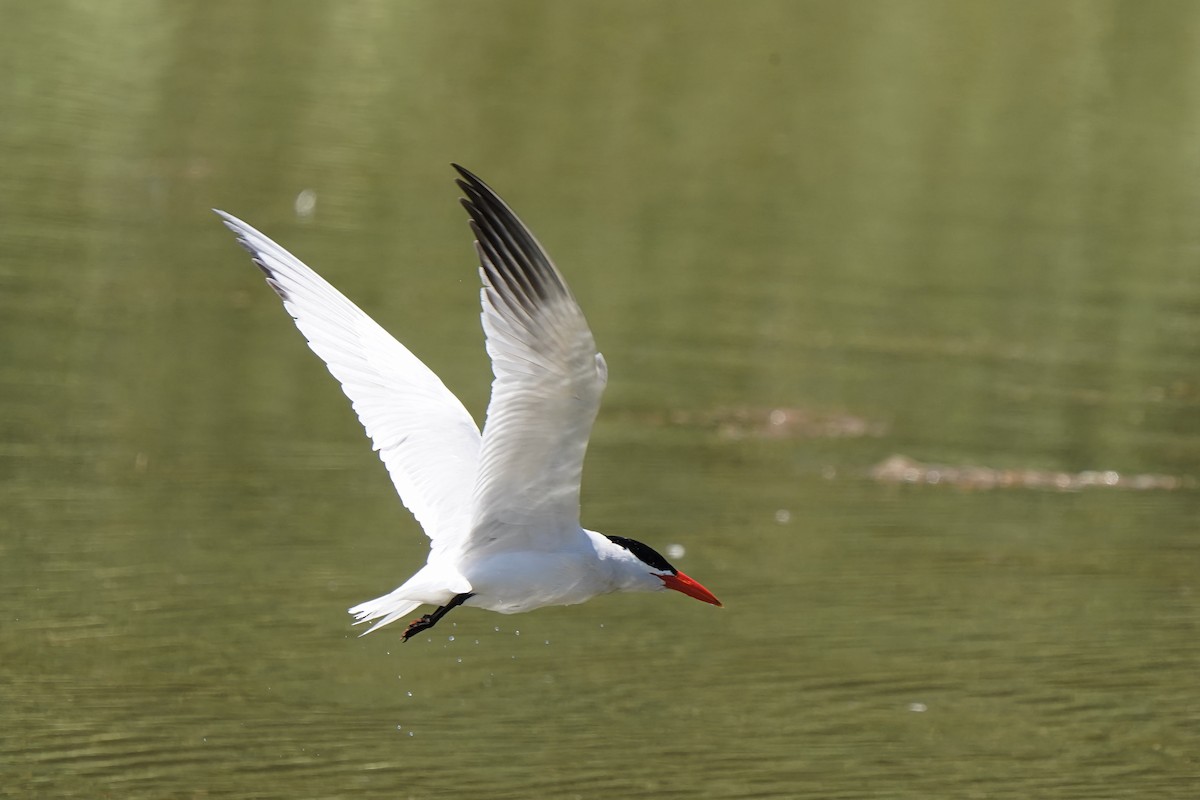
x: 546, y: 392
x: 424, y: 435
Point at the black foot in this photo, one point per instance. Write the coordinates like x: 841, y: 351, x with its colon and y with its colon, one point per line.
x: 418, y: 625
x: 429, y: 620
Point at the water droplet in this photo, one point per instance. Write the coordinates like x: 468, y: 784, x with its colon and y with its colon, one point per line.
x: 460, y: 659
x: 783, y: 516
x: 410, y: 733
x: 518, y: 633
x: 409, y: 694
x: 305, y: 204
x: 918, y: 707
x: 450, y: 638
x: 676, y: 551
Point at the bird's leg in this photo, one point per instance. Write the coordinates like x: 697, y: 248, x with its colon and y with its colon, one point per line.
x: 429, y: 620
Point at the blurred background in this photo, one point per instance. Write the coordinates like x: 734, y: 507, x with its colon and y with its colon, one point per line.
x: 901, y: 304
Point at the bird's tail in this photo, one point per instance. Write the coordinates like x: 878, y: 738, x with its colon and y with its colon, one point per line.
x: 434, y: 584
x: 390, y: 608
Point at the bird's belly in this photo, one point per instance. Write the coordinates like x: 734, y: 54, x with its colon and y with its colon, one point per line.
x: 518, y: 582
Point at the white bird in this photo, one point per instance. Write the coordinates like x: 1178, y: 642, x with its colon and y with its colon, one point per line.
x: 501, y: 510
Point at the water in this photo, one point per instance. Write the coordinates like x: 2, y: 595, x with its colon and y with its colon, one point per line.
x: 808, y: 236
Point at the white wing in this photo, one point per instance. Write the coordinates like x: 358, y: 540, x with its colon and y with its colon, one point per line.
x: 424, y: 435
x: 547, y: 389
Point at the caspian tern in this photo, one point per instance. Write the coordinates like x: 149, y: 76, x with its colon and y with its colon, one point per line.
x: 501, y: 509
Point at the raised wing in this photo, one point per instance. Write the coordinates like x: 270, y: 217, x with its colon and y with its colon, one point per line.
x: 546, y: 392
x: 424, y: 435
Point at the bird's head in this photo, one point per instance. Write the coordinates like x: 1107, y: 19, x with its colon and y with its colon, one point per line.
x: 658, y: 567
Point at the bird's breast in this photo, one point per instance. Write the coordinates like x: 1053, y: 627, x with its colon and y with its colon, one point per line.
x: 517, y: 582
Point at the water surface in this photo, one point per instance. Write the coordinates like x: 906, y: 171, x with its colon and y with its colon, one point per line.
x: 961, y: 233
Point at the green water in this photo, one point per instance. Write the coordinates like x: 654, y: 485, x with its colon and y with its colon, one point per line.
x: 973, y: 227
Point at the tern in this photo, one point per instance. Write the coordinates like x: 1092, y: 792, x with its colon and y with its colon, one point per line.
x: 501, y: 508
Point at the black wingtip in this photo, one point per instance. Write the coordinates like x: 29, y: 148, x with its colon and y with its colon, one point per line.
x: 466, y: 173
x: 468, y: 181
x: 474, y: 186
x: 515, y: 256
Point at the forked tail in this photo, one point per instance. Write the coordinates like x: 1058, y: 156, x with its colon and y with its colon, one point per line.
x: 433, y: 585
x: 386, y: 609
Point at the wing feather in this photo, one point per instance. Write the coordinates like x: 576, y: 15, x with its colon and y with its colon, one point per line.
x: 424, y: 435
x: 549, y: 378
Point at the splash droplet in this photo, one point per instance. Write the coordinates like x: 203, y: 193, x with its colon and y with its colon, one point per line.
x: 305, y: 204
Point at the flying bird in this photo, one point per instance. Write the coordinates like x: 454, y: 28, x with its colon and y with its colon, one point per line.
x: 501, y: 508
